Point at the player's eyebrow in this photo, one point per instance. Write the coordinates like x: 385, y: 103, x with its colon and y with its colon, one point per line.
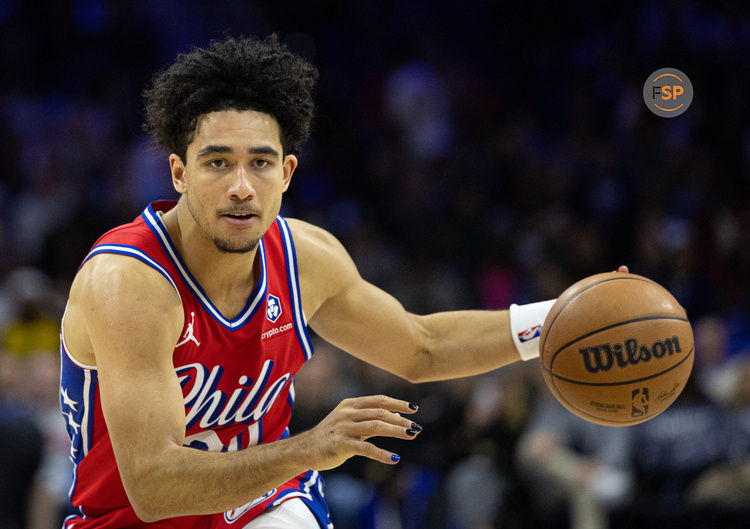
x: 222, y: 149
x: 264, y: 150
x: 213, y: 149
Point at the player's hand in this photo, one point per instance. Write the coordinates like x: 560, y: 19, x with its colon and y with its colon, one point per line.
x: 344, y: 432
x: 622, y: 269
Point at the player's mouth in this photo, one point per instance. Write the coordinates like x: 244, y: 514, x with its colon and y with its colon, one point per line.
x: 239, y: 218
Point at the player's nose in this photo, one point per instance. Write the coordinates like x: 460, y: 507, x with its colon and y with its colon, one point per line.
x: 241, y: 185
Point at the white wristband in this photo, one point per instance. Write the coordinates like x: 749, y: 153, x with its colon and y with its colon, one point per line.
x: 526, y: 326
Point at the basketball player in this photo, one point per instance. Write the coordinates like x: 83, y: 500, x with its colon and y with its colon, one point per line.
x: 184, y: 329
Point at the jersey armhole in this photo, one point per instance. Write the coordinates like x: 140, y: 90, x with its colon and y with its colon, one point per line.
x: 135, y: 252
x: 300, y: 321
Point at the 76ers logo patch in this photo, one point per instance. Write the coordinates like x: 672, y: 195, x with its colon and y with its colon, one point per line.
x: 273, y: 308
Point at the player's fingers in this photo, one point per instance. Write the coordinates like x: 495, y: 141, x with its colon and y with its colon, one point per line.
x: 369, y: 450
x: 379, y: 414
x: 384, y: 402
x: 367, y: 429
x: 622, y: 269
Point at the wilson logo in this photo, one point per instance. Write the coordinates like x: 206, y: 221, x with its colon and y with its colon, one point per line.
x: 603, y: 357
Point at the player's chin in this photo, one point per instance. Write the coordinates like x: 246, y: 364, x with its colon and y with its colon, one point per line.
x: 233, y: 245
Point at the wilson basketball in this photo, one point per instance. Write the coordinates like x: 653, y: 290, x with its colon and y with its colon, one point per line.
x: 616, y: 349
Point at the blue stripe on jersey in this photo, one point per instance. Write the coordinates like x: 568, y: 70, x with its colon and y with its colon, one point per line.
x: 259, y: 293
x: 291, y: 268
x: 77, y: 393
x: 311, y: 493
x: 131, y: 251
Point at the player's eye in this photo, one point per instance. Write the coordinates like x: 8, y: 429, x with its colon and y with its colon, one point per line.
x: 261, y: 163
x: 219, y: 163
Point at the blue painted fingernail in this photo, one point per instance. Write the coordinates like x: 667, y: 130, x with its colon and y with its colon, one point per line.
x: 413, y: 406
x: 395, y: 458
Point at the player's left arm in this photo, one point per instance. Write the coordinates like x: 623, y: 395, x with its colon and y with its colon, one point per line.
x: 372, y: 325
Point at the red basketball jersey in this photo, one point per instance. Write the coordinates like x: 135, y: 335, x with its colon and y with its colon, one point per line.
x: 237, y: 377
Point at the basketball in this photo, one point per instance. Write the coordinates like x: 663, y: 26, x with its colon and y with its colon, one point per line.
x: 616, y: 349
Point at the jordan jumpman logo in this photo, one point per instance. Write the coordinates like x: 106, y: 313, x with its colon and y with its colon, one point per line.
x: 189, y: 336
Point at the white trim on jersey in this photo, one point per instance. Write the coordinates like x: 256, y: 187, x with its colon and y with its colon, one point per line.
x: 290, y: 514
x: 87, y: 407
x: 160, y: 229
x: 304, y: 493
x: 65, y: 345
x: 299, y: 317
x: 125, y: 249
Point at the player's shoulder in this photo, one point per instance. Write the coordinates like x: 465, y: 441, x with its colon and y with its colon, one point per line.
x: 108, y: 278
x: 322, y: 260
x: 116, y: 293
x: 314, y: 242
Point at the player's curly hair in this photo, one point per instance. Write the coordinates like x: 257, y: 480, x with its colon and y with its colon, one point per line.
x: 236, y: 74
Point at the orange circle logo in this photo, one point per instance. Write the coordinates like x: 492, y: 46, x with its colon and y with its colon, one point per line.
x: 668, y: 92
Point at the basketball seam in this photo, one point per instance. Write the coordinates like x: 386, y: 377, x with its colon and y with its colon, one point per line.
x: 616, y: 423
x: 547, y: 331
x: 580, y: 383
x: 612, y: 326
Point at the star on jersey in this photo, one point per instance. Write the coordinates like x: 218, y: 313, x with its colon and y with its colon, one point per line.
x: 67, y: 401
x: 72, y: 423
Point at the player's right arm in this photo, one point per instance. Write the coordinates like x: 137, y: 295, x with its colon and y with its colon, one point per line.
x: 125, y: 318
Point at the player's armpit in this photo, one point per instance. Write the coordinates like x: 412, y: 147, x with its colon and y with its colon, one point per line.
x: 372, y: 325
x: 349, y: 312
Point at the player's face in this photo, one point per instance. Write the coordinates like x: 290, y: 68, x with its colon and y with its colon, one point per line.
x: 234, y: 176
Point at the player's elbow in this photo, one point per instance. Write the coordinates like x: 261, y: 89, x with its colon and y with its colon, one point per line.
x: 145, y: 515
x: 144, y: 507
x: 421, y: 370
x: 421, y: 367
x: 141, y: 489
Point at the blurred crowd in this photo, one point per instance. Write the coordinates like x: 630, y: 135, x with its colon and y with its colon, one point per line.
x: 468, y: 155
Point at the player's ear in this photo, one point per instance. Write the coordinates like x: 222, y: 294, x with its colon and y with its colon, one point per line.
x: 178, y: 173
x: 290, y: 164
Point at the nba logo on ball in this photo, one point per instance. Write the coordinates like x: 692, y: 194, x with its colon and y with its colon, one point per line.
x: 639, y: 407
x: 668, y: 92
x: 273, y: 308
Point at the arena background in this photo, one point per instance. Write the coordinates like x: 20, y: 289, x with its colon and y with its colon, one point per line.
x: 469, y: 155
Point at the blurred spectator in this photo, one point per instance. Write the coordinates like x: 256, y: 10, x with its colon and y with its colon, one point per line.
x: 21, y: 444
x: 718, y: 375
x: 32, y: 323
x: 723, y: 490
x: 575, y: 466
x: 672, y: 450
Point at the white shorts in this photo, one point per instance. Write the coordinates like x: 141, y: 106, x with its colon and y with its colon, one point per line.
x: 292, y: 514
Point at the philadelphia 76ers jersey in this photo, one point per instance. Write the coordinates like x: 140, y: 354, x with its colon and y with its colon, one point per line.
x: 237, y: 378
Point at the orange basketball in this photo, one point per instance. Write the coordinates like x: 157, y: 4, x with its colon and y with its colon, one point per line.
x: 616, y: 349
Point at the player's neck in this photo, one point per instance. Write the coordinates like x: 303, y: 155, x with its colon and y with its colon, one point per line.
x: 227, y: 278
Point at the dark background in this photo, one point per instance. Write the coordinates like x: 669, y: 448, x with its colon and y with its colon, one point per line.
x: 468, y: 154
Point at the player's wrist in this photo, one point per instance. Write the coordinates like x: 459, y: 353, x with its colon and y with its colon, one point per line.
x: 526, y: 326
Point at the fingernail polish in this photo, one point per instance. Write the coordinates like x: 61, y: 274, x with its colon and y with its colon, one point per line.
x: 416, y: 427
x: 413, y: 406
x: 395, y: 458
x: 411, y: 432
